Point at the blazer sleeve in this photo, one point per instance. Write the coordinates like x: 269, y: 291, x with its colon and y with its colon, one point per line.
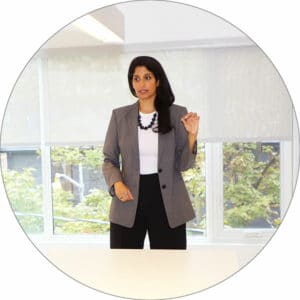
x: 184, y: 158
x: 111, y: 151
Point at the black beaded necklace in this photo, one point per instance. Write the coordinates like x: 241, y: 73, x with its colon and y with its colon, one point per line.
x: 150, y: 125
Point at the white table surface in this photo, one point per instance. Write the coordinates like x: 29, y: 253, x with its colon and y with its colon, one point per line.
x: 147, y: 274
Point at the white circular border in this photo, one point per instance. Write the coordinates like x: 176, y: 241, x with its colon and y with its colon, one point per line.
x: 24, y: 27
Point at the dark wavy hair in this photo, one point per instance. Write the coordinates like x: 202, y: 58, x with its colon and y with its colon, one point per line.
x: 164, y: 95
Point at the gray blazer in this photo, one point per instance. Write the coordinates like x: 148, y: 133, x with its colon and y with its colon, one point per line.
x: 174, y: 156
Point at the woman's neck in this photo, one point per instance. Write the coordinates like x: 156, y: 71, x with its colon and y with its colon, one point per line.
x: 146, y: 107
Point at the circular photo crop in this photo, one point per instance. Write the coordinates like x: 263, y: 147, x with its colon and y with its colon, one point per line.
x: 140, y: 213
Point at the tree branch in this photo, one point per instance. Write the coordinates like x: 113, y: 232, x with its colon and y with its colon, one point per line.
x: 268, y: 165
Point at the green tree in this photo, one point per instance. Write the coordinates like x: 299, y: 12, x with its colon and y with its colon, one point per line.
x: 89, y: 215
x: 251, y: 186
x: 25, y: 198
x: 195, y: 182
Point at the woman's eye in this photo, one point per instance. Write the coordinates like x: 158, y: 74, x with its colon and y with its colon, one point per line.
x: 148, y: 77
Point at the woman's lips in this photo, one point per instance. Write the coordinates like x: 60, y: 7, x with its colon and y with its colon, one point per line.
x: 143, y: 91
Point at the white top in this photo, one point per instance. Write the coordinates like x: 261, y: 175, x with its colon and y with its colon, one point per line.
x: 148, y: 145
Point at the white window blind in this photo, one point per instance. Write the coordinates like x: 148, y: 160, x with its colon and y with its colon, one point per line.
x: 236, y: 91
x: 21, y: 121
x: 247, y: 99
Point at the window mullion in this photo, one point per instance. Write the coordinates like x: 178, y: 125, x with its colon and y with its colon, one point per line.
x: 47, y: 197
x: 45, y: 150
x: 214, y: 190
x: 286, y: 178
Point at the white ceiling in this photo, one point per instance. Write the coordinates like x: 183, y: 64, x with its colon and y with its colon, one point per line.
x: 157, y: 21
x: 150, y: 22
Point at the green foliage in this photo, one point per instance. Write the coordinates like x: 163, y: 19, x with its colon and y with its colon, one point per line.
x: 25, y: 197
x: 94, y: 207
x: 251, y: 187
x: 69, y: 155
x: 195, y: 182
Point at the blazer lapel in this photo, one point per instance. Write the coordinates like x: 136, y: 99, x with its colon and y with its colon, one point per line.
x: 133, y: 133
x: 161, y: 146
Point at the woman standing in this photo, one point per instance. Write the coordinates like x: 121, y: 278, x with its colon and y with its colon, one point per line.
x: 156, y: 140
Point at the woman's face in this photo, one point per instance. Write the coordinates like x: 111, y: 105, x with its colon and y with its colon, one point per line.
x: 144, y: 83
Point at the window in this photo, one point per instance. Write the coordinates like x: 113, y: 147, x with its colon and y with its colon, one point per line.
x: 242, y: 182
x: 195, y: 182
x: 79, y: 193
x: 233, y: 186
x: 251, y: 185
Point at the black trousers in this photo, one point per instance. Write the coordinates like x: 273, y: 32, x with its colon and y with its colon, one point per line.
x: 150, y: 217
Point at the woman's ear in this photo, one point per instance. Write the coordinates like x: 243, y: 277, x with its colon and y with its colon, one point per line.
x: 157, y: 83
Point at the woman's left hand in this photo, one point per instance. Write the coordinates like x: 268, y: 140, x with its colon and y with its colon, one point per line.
x: 191, y: 122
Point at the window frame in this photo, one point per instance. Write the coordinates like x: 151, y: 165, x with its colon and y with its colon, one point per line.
x: 215, y: 232
x: 215, y: 198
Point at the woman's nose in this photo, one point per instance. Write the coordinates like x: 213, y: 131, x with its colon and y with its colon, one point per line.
x: 142, y: 83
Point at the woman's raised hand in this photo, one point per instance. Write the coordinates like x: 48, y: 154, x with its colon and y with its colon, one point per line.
x: 122, y: 191
x: 191, y: 122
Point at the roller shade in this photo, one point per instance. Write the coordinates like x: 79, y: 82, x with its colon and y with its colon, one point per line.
x: 247, y: 98
x: 21, y: 120
x: 236, y: 91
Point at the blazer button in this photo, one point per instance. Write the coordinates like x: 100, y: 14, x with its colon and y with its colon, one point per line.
x: 163, y: 186
x: 159, y: 170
